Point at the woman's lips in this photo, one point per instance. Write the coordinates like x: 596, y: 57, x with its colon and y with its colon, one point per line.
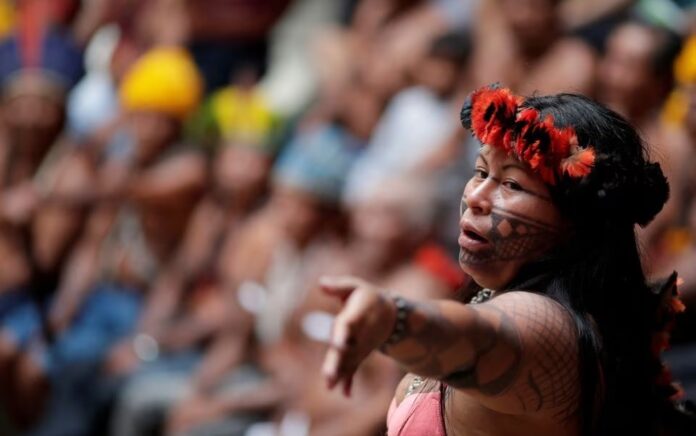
x: 473, y: 241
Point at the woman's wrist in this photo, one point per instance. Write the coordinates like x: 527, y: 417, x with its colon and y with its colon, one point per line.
x: 400, y: 309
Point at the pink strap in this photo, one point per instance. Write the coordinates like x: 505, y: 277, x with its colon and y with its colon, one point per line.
x: 417, y: 415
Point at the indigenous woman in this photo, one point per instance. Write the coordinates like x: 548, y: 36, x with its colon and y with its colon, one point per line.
x: 561, y: 333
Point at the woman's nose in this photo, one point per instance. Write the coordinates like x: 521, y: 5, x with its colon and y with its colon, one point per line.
x: 478, y: 199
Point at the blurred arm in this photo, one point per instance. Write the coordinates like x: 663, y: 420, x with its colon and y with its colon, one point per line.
x: 178, y: 176
x: 82, y: 268
x: 227, y: 351
x: 204, y: 227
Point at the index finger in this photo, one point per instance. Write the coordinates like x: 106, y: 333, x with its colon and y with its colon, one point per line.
x: 339, y: 286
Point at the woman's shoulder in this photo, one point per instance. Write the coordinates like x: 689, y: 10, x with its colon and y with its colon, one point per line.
x: 526, y: 298
x: 544, y: 328
x: 536, y: 317
x: 539, y: 336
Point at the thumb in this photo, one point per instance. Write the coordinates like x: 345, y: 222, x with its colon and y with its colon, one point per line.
x: 339, y: 286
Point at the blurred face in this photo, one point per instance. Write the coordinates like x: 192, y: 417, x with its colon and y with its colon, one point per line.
x: 378, y: 227
x: 153, y: 132
x: 382, y: 72
x: 241, y: 171
x: 359, y: 111
x: 33, y: 121
x: 625, y: 74
x: 531, y: 21
x: 437, y: 74
x: 298, y: 213
x: 508, y: 219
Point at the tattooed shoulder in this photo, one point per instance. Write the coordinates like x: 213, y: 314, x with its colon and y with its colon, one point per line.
x: 525, y: 358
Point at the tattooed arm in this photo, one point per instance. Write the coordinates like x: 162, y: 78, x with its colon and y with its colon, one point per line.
x: 515, y: 354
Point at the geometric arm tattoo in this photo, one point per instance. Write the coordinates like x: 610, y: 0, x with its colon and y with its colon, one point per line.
x: 516, y: 353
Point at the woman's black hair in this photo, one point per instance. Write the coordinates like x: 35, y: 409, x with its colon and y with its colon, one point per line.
x: 597, y: 275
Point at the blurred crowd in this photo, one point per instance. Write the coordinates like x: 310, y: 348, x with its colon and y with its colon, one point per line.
x: 175, y: 175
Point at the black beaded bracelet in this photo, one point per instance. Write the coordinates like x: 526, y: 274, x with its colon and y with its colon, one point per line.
x: 403, y: 310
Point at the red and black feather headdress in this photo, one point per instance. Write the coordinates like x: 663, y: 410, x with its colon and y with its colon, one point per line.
x: 499, y: 119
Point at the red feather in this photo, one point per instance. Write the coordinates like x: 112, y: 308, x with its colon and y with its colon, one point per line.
x: 563, y: 141
x: 547, y: 173
x: 579, y: 163
x: 492, y: 115
x: 496, y: 121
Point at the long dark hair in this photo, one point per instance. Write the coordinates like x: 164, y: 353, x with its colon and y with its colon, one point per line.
x: 598, y: 277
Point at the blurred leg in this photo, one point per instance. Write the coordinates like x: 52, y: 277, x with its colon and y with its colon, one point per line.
x: 107, y: 316
x: 31, y: 389
x: 14, y: 268
x: 146, y: 399
x: 8, y: 353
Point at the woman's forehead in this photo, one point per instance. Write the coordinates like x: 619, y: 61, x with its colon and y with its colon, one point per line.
x: 497, y: 156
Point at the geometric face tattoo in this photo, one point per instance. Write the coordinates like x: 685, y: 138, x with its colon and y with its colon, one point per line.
x: 512, y: 237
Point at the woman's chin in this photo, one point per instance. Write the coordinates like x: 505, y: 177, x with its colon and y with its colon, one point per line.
x: 490, y: 276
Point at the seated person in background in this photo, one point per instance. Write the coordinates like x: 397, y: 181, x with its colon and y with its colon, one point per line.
x: 261, y: 269
x: 415, y: 123
x: 634, y: 74
x: 37, y: 70
x: 239, y: 171
x: 237, y: 113
x: 386, y: 234
x: 384, y: 41
x: 34, y: 91
x: 144, y: 201
x: 388, y: 242
x: 522, y: 43
x: 186, y: 307
x: 417, y: 134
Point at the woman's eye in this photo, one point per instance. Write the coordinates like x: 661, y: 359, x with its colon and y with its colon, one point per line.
x: 480, y: 173
x: 512, y: 185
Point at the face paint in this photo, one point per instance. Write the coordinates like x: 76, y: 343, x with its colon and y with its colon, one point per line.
x: 511, y: 237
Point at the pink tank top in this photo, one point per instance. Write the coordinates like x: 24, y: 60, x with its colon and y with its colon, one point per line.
x: 418, y: 414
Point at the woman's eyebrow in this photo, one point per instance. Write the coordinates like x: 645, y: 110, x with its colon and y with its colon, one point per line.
x: 483, y: 158
x: 514, y: 165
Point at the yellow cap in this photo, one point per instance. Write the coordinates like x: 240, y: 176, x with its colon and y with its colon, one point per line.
x: 675, y: 107
x: 163, y: 80
x: 7, y: 18
x: 685, y: 64
x: 243, y: 115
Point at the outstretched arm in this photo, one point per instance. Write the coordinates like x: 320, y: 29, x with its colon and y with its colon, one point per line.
x: 515, y: 354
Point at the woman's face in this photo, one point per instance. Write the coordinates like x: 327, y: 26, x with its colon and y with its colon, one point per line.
x: 507, y: 219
